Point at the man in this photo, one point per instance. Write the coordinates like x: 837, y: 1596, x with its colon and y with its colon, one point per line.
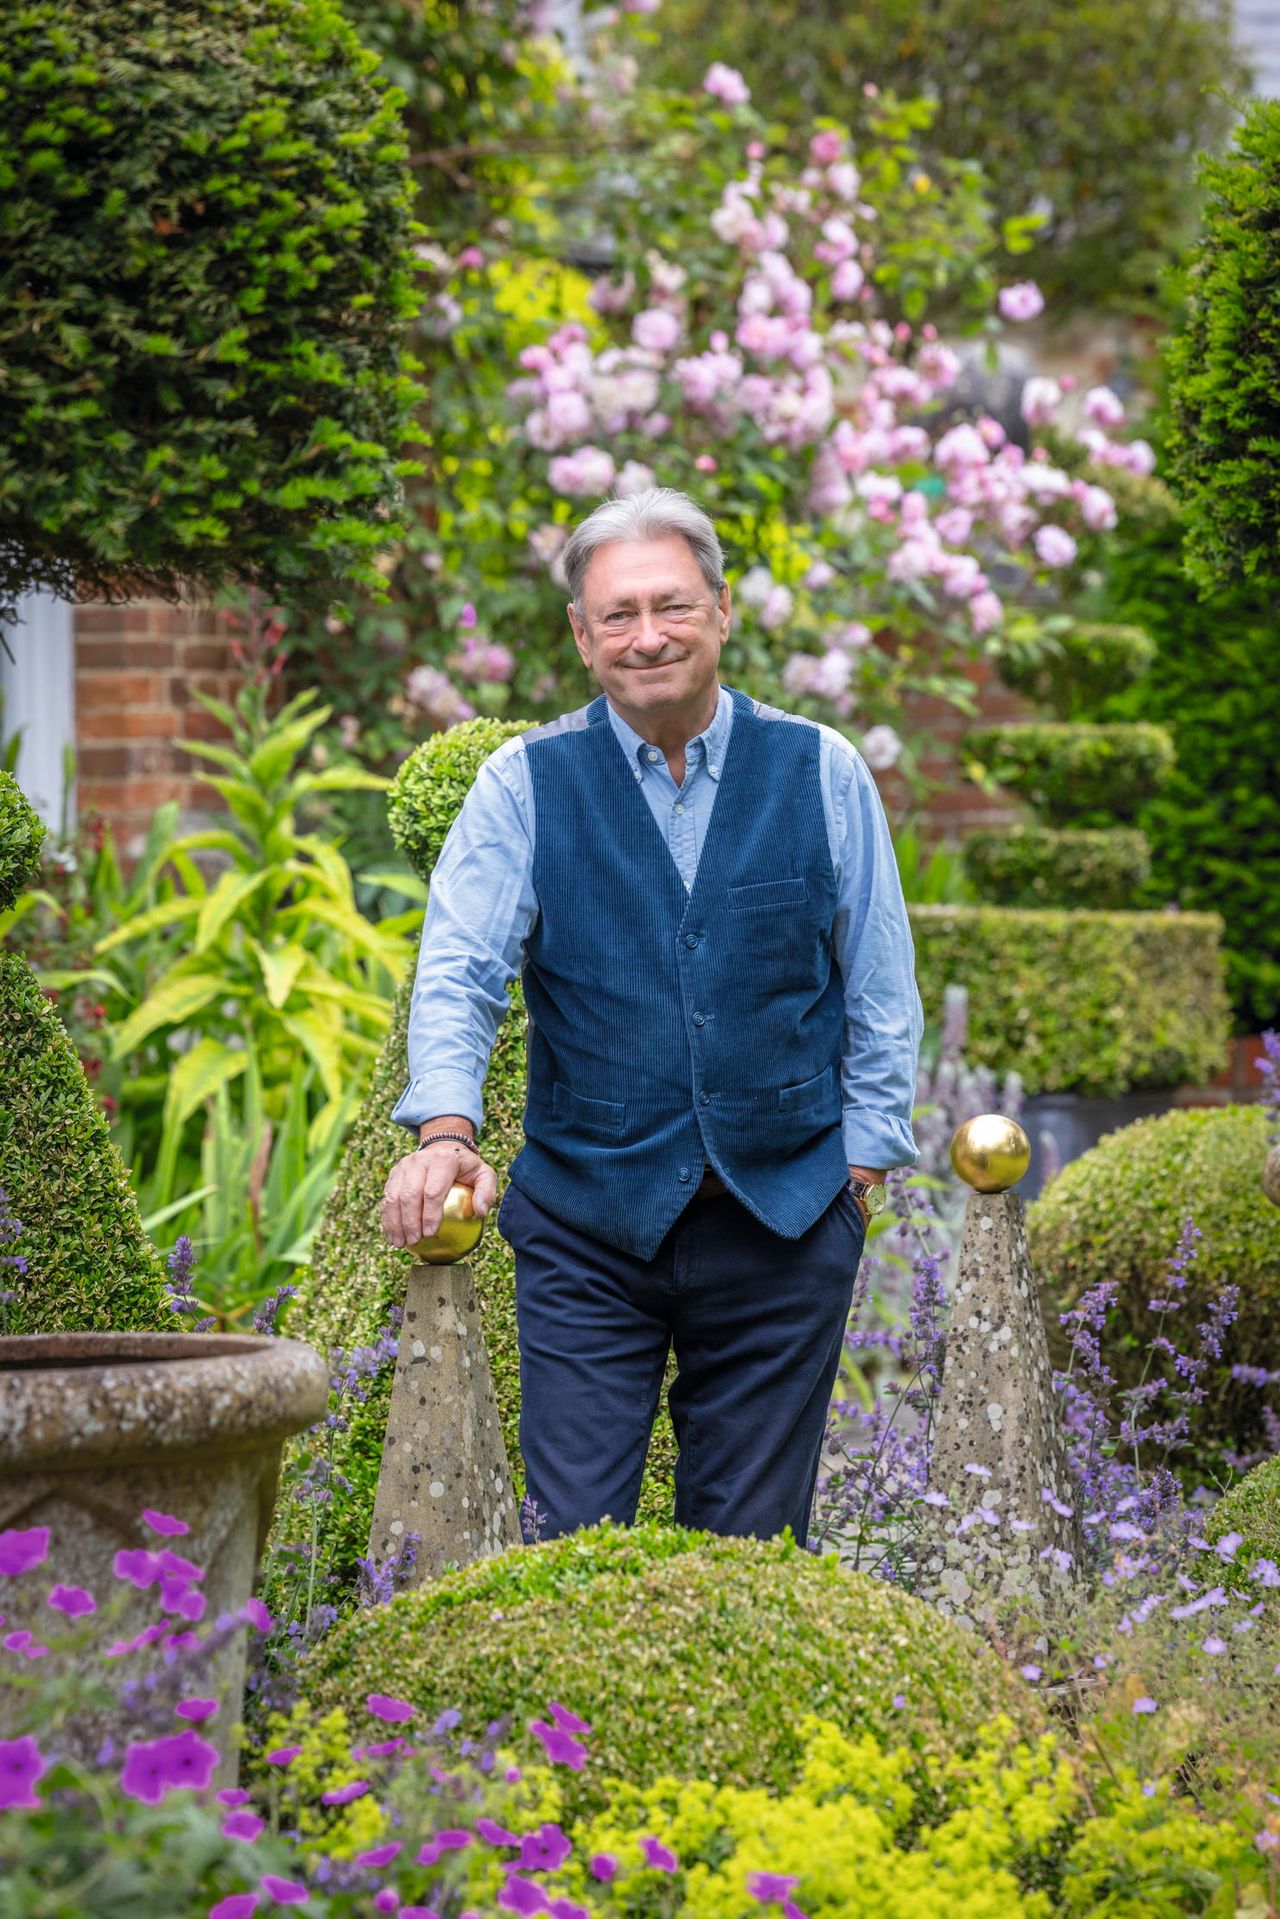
x: 723, y: 1029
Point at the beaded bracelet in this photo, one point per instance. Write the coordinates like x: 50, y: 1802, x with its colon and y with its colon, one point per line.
x: 461, y: 1138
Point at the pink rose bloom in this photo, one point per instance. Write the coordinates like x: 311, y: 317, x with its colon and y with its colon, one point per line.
x: 825, y: 147
x: 641, y: 6
x: 818, y: 576
x: 727, y: 84
x: 776, y: 609
x: 962, y: 446
x: 844, y: 180
x: 1022, y: 301
x: 568, y: 417
x: 955, y: 525
x: 589, y: 470
x: 853, y: 636
x: 1040, y: 399
x: 656, y: 330
x: 881, y: 748
x: 829, y: 491
x: 706, y: 463
x: 1054, y: 545
x: 985, y: 612
x: 634, y: 477
x: 1098, y: 509
x: 1141, y: 457
x: 1104, y: 408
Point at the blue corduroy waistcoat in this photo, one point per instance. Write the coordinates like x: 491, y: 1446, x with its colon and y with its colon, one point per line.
x: 668, y: 1028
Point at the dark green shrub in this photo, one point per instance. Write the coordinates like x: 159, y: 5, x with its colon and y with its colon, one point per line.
x: 1214, y: 827
x: 89, y: 1263
x: 1058, y: 866
x: 355, y: 1277
x: 204, y: 288
x: 1224, y: 365
x: 1069, y: 665
x: 1081, y: 1002
x: 706, y: 1651
x: 1252, y: 1508
x: 1116, y: 1213
x: 1068, y: 771
x: 21, y: 837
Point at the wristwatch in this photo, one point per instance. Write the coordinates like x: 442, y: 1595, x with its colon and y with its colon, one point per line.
x: 873, y: 1194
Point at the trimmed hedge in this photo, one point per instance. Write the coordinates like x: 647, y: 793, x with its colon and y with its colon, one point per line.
x: 706, y: 1651
x: 90, y: 1266
x: 22, y: 834
x: 1116, y: 1213
x: 205, y: 286
x: 1068, y: 770
x: 1252, y: 1507
x: 1071, y: 664
x: 1097, y: 868
x: 1080, y: 1002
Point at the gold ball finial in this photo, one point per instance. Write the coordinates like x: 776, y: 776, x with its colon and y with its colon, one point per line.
x: 1271, y: 1175
x: 457, y: 1234
x: 990, y: 1153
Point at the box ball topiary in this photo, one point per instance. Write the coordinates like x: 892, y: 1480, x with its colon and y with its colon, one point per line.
x: 689, y: 1654
x: 206, y: 282
x: 1251, y: 1508
x: 356, y: 1277
x: 1116, y: 1214
x: 89, y: 1265
x: 22, y: 834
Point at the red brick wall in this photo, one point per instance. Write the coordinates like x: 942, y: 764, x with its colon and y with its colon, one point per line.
x: 934, y: 729
x: 136, y: 670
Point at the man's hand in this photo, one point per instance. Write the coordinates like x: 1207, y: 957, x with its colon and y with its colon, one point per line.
x: 414, y: 1195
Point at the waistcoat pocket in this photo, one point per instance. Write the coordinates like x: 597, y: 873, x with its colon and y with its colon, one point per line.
x: 767, y: 894
x: 818, y: 1091
x: 593, y: 1115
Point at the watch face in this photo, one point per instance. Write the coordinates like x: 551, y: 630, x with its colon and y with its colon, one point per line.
x: 874, y: 1198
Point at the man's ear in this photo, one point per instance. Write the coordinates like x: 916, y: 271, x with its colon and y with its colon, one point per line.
x: 581, y: 639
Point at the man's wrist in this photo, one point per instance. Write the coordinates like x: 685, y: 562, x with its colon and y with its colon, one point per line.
x: 452, y: 1125
x: 873, y: 1178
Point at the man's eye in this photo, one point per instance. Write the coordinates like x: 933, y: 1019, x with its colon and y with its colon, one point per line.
x: 678, y: 610
x: 616, y: 619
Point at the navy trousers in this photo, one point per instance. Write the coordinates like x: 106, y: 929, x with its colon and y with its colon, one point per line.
x: 757, y: 1323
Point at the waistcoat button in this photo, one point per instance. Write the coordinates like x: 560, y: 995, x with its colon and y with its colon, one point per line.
x: 684, y: 1175
x: 704, y: 1099
x: 699, y: 1019
x: 691, y: 939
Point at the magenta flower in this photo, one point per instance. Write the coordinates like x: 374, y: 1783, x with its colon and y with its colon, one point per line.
x: 255, y: 1614
x: 196, y: 1709
x: 164, y: 1523
x: 177, y: 1597
x: 232, y: 1796
x: 146, y: 1637
x: 726, y: 83
x: 378, y: 1750
x: 283, y: 1755
x: 545, y: 1850
x: 21, y: 1765
x: 386, y: 1899
x: 771, y: 1888
x: 561, y: 1748
x: 496, y: 1835
x: 191, y: 1760
x: 152, y: 1766
x: 1144, y: 1705
x: 603, y: 1866
x: 137, y: 1566
x: 236, y: 1905
x: 71, y: 1600
x: 379, y: 1855
x: 522, y: 1896
x: 242, y: 1825
x: 467, y: 617
x: 660, y: 1857
x: 418, y: 1912
x: 285, y: 1892
x: 567, y: 1909
x: 1022, y: 301
x: 394, y: 1711
x: 343, y: 1795
x: 566, y: 1720
x: 20, y: 1551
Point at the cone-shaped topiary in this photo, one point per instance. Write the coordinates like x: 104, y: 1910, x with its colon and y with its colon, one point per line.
x: 86, y: 1262
x: 1116, y: 1214
x: 356, y: 1278
x: 687, y: 1653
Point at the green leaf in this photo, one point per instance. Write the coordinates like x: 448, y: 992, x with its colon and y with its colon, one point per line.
x: 197, y: 1075
x: 173, y: 1000
x: 166, y: 913
x: 280, y: 749
x: 280, y: 966
x: 227, y: 897
x: 175, y: 1207
x: 340, y: 779
x: 321, y: 1040
x: 397, y: 880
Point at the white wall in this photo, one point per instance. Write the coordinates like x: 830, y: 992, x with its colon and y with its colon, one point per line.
x: 39, y: 697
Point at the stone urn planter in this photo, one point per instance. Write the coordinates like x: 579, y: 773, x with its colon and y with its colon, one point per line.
x: 95, y: 1427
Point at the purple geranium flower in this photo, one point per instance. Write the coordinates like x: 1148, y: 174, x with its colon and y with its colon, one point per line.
x: 771, y: 1888
x: 496, y: 1835
x: 196, y: 1709
x: 21, y: 1765
x: 394, y: 1711
x: 285, y: 1892
x: 379, y: 1855
x: 545, y: 1850
x: 660, y: 1857
x: 282, y: 1755
x: 343, y: 1795
x: 561, y: 1748
x: 566, y: 1720
x: 20, y: 1551
x: 603, y: 1866
x: 242, y: 1825
x: 71, y: 1600
x: 164, y: 1523
x: 522, y: 1895
x: 237, y: 1905
x: 152, y: 1766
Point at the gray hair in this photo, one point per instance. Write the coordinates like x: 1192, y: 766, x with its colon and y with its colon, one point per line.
x: 655, y: 514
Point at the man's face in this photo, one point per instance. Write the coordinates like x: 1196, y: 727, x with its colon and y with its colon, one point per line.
x: 651, y: 630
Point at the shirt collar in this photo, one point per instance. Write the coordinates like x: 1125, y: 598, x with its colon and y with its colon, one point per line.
x: 713, y: 741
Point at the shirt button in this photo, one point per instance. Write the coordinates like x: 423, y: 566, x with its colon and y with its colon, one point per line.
x: 653, y: 755
x: 691, y: 939
x: 679, y: 808
x: 685, y: 1175
x: 699, y: 1019
x: 713, y: 769
x: 704, y: 1099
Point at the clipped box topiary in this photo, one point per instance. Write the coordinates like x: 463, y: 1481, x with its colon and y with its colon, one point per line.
x: 88, y: 1265
x: 1116, y: 1214
x: 690, y: 1654
x: 1068, y: 769
x: 1093, y: 868
x: 356, y: 1277
x: 1251, y: 1508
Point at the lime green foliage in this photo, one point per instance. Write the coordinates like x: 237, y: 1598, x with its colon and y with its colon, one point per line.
x: 205, y: 282
x: 1214, y: 827
x: 356, y: 1277
x: 1058, y: 866
x: 1069, y: 665
x: 1092, y: 109
x: 708, y: 1650
x: 1224, y: 365
x: 1252, y: 1507
x: 1116, y: 1213
x: 21, y: 836
x: 1066, y: 770
x: 1086, y: 1002
x: 89, y: 1265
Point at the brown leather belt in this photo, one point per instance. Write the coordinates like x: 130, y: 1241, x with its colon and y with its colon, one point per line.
x: 711, y: 1185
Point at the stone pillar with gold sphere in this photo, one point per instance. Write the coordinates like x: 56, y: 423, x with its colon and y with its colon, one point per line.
x: 1009, y: 1526
x: 445, y: 1475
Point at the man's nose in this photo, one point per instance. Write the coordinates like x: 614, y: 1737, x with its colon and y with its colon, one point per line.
x: 649, y: 634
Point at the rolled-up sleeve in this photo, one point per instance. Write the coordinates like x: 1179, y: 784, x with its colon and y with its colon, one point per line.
x: 480, y: 909
x: 874, y: 952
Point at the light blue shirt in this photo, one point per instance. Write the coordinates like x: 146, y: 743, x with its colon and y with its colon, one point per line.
x: 482, y: 908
